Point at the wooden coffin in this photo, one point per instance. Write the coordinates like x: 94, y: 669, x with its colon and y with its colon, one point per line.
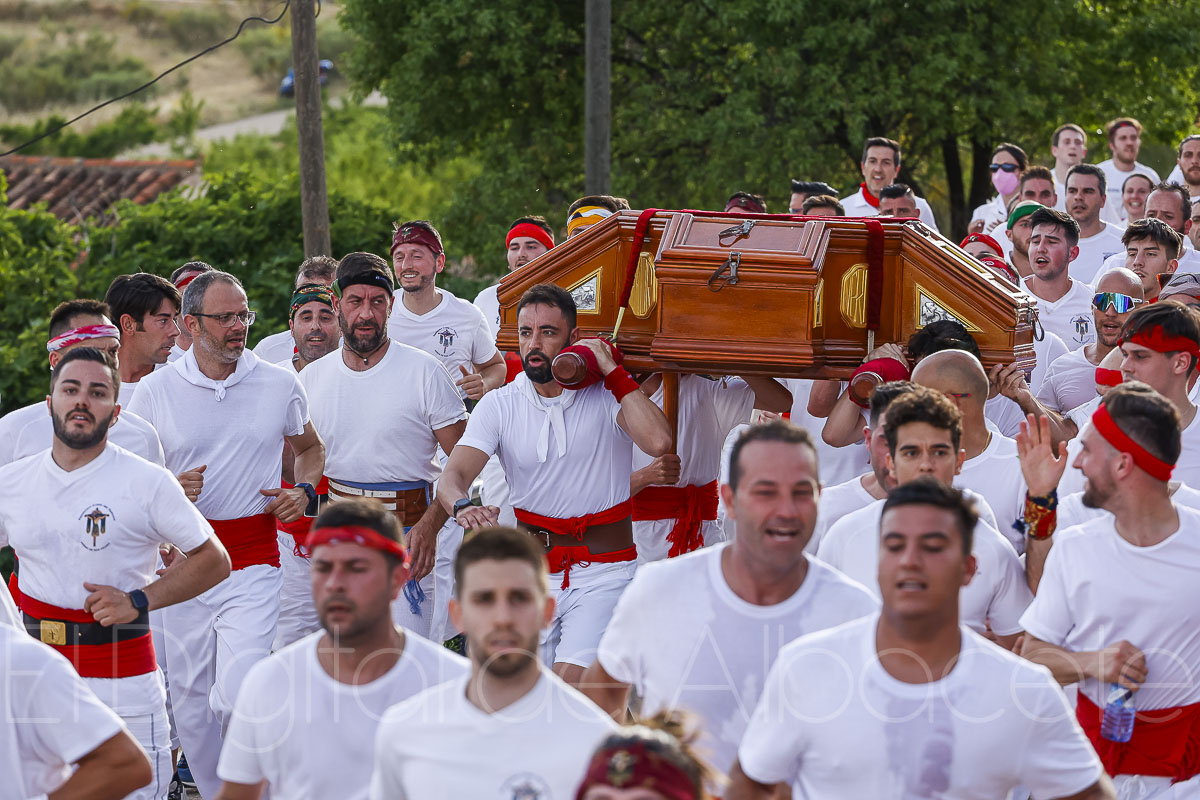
x: 799, y: 306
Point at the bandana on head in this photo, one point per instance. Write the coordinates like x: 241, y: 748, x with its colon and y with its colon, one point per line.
x: 185, y: 279
x: 1021, y: 210
x: 309, y: 293
x: 1155, y: 338
x: 366, y: 278
x: 1106, y: 426
x: 586, y: 217
x: 984, y: 239
x: 1108, y: 377
x: 355, y: 534
x: 531, y: 231
x: 82, y: 334
x: 635, y: 766
x: 415, y: 234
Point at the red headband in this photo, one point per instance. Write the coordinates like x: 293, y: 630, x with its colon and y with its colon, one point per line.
x: 186, y: 278
x: 984, y: 239
x: 532, y: 231
x: 1156, y: 339
x: 635, y: 766
x: 415, y: 234
x: 82, y: 334
x: 1108, y: 377
x: 1106, y: 426
x: 356, y: 534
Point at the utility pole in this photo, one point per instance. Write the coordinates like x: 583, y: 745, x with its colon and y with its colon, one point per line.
x: 314, y: 203
x: 597, y: 107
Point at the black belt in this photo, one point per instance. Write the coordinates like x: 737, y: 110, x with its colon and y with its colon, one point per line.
x: 61, y: 632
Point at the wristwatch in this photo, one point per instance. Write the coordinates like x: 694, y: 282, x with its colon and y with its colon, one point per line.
x: 139, y: 600
x: 311, y: 509
x: 461, y: 505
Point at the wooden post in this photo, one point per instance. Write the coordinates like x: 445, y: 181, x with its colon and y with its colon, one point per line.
x: 314, y: 203
x: 671, y: 406
x: 597, y: 113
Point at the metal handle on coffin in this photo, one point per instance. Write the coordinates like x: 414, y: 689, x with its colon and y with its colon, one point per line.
x: 731, y: 264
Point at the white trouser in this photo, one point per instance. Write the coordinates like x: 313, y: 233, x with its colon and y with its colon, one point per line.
x: 160, y: 652
x: 650, y: 536
x: 1145, y: 787
x: 450, y: 538
x: 297, y: 614
x: 582, y: 611
x: 212, y: 641
x: 152, y: 732
x: 140, y: 702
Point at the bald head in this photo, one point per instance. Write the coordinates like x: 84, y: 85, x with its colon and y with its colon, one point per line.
x: 1123, y: 281
x: 954, y: 372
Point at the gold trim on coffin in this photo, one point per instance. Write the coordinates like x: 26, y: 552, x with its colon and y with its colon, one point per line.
x: 853, y: 298
x: 595, y: 299
x: 920, y: 291
x: 818, y: 305
x: 644, y: 295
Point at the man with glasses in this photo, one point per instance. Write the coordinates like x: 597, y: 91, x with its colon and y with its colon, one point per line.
x: 224, y: 413
x: 1007, y: 166
x: 145, y: 308
x: 1071, y: 379
x: 1086, y: 199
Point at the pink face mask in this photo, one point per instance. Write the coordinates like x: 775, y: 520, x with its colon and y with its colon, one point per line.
x: 1005, y: 182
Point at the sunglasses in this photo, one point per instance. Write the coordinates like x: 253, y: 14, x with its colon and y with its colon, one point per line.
x: 1118, y: 302
x: 1005, y: 167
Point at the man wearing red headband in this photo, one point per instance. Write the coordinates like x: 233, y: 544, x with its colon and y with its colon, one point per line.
x: 510, y: 729
x: 567, y: 455
x: 1118, y: 604
x: 87, y: 521
x: 698, y: 633
x: 434, y: 320
x: 910, y: 702
x: 646, y: 762
x: 181, y: 278
x: 528, y: 238
x: 305, y: 720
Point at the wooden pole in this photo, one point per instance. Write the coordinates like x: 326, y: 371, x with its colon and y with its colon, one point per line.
x: 597, y: 108
x: 314, y: 203
x: 671, y: 406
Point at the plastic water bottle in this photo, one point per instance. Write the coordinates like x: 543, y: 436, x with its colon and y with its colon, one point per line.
x: 1119, y: 713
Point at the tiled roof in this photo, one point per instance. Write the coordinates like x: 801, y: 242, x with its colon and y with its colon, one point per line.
x: 78, y: 188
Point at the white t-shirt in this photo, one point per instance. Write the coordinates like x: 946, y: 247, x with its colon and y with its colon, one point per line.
x: 276, y: 347
x: 311, y: 736
x: 856, y: 205
x: 1097, y: 589
x: 998, y: 594
x: 30, y: 430
x: 378, y: 425
x: 834, y: 723
x: 51, y: 719
x: 1187, y: 468
x: 1070, y: 382
x: 1115, y: 182
x: 439, y: 746
x: 993, y: 213
x: 592, y: 472
x: 835, y: 503
x: 1089, y: 264
x: 9, y: 614
x: 1003, y: 412
x: 684, y: 640
x: 199, y: 420
x: 1072, y: 511
x: 454, y: 331
x: 1070, y: 317
x: 995, y: 474
x: 488, y: 303
x: 101, y: 523
x: 837, y: 464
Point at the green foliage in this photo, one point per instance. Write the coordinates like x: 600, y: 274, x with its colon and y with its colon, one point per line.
x: 190, y: 26
x: 63, y: 68
x: 135, y: 125
x: 709, y: 98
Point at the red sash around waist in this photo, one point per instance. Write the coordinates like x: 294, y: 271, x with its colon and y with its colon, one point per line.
x: 687, y: 505
x: 117, y: 660
x: 299, y: 529
x: 1165, y: 741
x: 249, y: 540
x: 561, y: 559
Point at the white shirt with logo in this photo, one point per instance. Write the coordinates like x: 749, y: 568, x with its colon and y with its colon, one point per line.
x: 1070, y: 317
x: 454, y: 331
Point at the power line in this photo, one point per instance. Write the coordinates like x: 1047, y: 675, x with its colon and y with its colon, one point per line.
x: 150, y: 83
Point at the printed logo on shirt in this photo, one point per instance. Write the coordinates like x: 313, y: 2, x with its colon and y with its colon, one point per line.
x: 446, y: 339
x: 525, y: 786
x: 96, y: 518
x: 1083, y: 327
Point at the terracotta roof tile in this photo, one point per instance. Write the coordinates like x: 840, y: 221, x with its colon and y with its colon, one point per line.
x: 74, y: 188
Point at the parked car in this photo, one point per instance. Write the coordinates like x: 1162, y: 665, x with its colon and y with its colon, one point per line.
x: 287, y: 87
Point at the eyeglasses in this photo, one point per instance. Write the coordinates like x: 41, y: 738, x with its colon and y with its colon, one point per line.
x: 1118, y: 302
x: 226, y: 320
x: 1005, y: 167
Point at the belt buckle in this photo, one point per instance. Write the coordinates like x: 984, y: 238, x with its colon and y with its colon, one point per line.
x: 546, y: 538
x: 52, y: 631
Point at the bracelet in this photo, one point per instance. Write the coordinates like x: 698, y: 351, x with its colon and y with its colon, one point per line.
x: 1041, y: 515
x: 620, y: 383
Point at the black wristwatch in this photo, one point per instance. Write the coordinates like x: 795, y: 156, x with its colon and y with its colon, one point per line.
x: 139, y: 600
x: 313, y: 506
x: 308, y: 490
x: 461, y: 505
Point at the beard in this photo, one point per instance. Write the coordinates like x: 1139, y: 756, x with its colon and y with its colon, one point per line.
x: 1093, y: 496
x: 540, y: 373
x: 84, y: 439
x: 364, y: 343
x: 508, y: 664
x: 219, y: 348
x: 315, y: 345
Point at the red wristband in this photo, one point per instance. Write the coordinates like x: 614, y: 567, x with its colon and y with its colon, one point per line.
x: 620, y: 383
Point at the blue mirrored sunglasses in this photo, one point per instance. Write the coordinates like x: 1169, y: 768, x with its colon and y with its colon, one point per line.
x: 1118, y: 302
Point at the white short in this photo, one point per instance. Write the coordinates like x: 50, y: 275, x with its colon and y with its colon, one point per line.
x: 152, y: 732
x: 297, y: 614
x: 1145, y: 787
x: 583, y: 611
x: 650, y: 536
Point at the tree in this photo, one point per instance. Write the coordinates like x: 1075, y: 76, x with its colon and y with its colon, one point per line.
x: 710, y: 97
